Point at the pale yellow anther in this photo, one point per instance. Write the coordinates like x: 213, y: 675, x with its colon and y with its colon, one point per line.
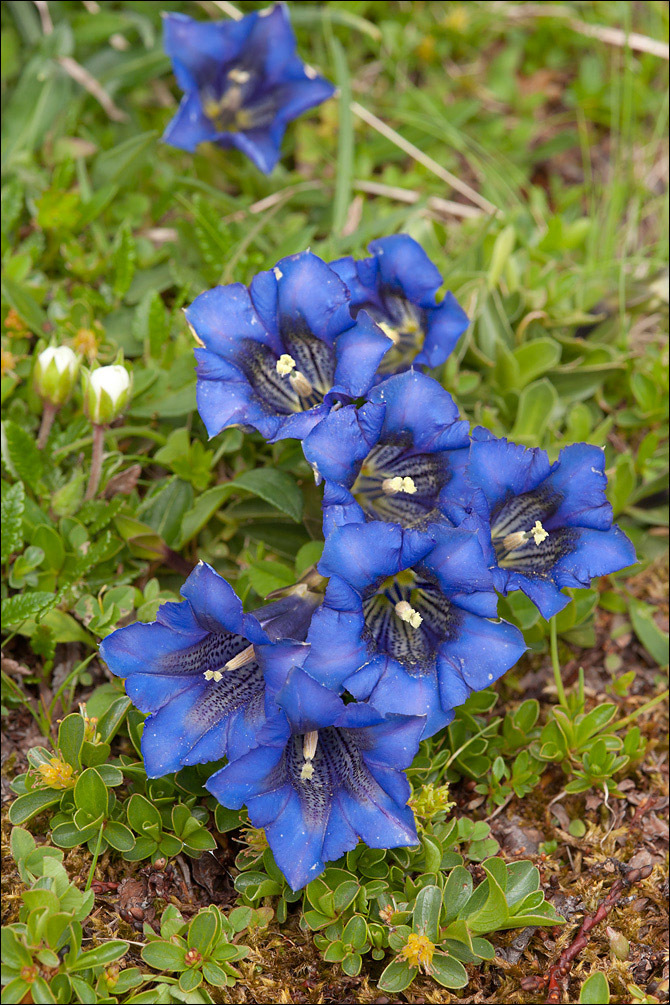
x: 406, y: 613
x: 195, y: 334
x: 285, y: 364
x: 239, y: 76
x: 391, y: 486
x: 300, y: 384
x: 215, y: 675
x: 309, y: 744
x: 515, y: 540
x: 278, y: 272
x: 539, y: 533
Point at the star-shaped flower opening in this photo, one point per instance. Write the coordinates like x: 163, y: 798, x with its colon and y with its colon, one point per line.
x: 243, y: 82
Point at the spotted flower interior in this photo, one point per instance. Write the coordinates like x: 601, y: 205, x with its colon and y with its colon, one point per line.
x: 400, y: 486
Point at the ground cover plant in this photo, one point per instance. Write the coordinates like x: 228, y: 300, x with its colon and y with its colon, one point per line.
x: 530, y: 182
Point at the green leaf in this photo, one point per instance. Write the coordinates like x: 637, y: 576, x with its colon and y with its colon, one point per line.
x: 119, y: 836
x: 124, y: 256
x: 502, y: 249
x: 653, y: 638
x: 201, y: 932
x: 595, y: 990
x: 24, y: 605
x: 101, y: 956
x: 21, y: 455
x: 448, y: 972
x: 397, y: 976
x: 535, y: 358
x: 189, y: 980
x: 90, y: 793
x: 31, y: 803
x: 164, y: 956
x: 120, y: 163
x: 351, y: 964
x: 276, y: 487
x: 355, y: 932
x: 71, y: 738
x: 13, y: 501
x: 426, y: 915
x: 214, y: 975
x: 41, y: 992
x: 24, y: 304
x: 537, y: 403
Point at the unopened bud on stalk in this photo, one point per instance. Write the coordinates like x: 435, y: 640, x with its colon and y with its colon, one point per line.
x: 55, y: 374
x: 106, y: 393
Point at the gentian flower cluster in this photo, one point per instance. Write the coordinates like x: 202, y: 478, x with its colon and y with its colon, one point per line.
x: 319, y: 700
x: 242, y: 80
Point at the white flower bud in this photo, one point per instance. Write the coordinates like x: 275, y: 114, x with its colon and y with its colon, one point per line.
x: 106, y: 393
x: 55, y: 373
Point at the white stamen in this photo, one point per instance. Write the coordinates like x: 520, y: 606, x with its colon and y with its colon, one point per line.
x: 515, y: 540
x: 310, y: 72
x: 390, y: 486
x: 407, y: 613
x: 246, y: 656
x: 539, y: 533
x: 278, y: 272
x: 285, y: 364
x: 309, y: 742
x: 300, y: 384
x: 239, y: 76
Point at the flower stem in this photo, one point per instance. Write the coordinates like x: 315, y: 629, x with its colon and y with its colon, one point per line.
x: 642, y: 709
x: 553, y: 639
x: 96, y: 463
x: 48, y: 416
x: 96, y: 854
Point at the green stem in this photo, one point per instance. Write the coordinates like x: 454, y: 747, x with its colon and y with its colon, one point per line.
x: 553, y: 639
x: 96, y: 853
x: 96, y: 462
x: 73, y: 673
x: 642, y: 709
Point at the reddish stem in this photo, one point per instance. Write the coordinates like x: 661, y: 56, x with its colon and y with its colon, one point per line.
x: 96, y: 463
x: 48, y: 416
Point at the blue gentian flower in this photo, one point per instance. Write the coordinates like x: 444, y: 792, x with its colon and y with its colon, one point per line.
x: 551, y: 524
x: 243, y: 83
x: 394, y: 458
x: 326, y: 776
x: 277, y: 355
x: 196, y: 670
x: 398, y: 287
x: 406, y: 622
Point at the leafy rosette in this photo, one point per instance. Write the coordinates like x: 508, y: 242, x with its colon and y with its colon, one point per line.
x: 398, y: 288
x: 277, y: 356
x: 550, y: 524
x: 323, y: 775
x: 242, y: 80
x: 409, y: 621
x: 195, y: 670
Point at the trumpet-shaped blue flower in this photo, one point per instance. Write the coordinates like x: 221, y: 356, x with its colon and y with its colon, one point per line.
x: 277, y: 355
x: 325, y: 776
x: 406, y: 620
x: 393, y: 459
x: 551, y: 524
x: 398, y: 287
x: 195, y: 669
x: 243, y: 83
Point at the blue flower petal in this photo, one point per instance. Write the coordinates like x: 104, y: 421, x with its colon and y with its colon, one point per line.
x: 364, y: 553
x: 311, y: 294
x: 404, y: 265
x: 217, y: 607
x: 339, y: 508
x: 478, y: 654
x: 545, y: 594
x: 401, y: 693
x: 393, y: 742
x: 378, y: 820
x: 152, y: 691
x: 297, y: 844
x: 246, y: 777
x: 339, y: 837
x: 459, y: 563
x: 198, y: 48
x: 596, y: 553
x: 145, y: 648
x: 298, y: 425
x: 337, y: 645
x: 498, y: 467
x: 272, y: 43
x: 301, y: 94
x: 225, y: 316
x: 418, y: 404
x: 230, y: 401
x: 339, y: 444
x: 359, y: 353
x: 446, y: 324
x: 307, y: 704
x: 580, y: 478
x: 277, y: 660
x: 190, y: 126
x: 261, y: 146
